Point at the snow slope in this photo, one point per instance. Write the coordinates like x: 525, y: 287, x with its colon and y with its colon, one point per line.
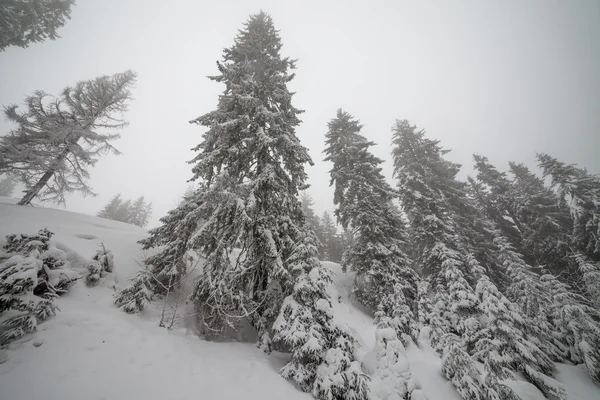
x: 91, y: 350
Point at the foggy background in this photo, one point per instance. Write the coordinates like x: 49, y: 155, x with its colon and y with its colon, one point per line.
x: 505, y: 79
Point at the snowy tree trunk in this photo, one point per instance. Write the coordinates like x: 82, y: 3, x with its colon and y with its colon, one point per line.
x: 33, y: 192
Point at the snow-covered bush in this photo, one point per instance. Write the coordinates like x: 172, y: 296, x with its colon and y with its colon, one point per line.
x: 392, y: 380
x: 103, y: 263
x: 135, y: 296
x: 323, y: 352
x: 32, y: 274
x: 461, y: 371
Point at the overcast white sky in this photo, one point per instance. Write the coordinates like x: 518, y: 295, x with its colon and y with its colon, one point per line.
x: 505, y: 79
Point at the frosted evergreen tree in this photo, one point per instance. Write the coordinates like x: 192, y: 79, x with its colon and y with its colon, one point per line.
x: 103, y: 263
x: 461, y: 371
x: 496, y: 197
x: 136, y: 213
x: 392, y: 379
x: 307, y: 205
x: 527, y: 291
x: 20, y: 311
x: 137, y: 294
x: 590, y: 277
x: 582, y: 192
x: 575, y: 325
x: 448, y: 246
x: 315, y: 222
x: 110, y: 209
x: 57, y: 139
x: 123, y: 212
x: 363, y: 204
x: 189, y: 192
x: 424, y: 304
x: 546, y: 222
x: 164, y: 270
x: 33, y: 274
x: 330, y: 240
x: 507, y: 347
x: 426, y: 183
x: 25, y: 22
x: 252, y: 165
x: 323, y: 360
x: 140, y: 212
x: 7, y: 186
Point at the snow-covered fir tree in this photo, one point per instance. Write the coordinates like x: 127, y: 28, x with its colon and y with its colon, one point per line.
x: 25, y: 22
x: 545, y: 222
x: 495, y: 197
x: 447, y: 248
x: 527, y: 213
x: 134, y: 297
x: 363, y: 204
x: 137, y: 213
x: 574, y: 324
x: 110, y: 209
x: 164, y: 270
x: 315, y: 222
x: 57, y: 139
x: 140, y: 212
x: 330, y: 240
x: 458, y: 367
x: 323, y: 360
x: 123, y: 212
x: 32, y: 274
x: 426, y: 182
x: 504, y: 347
x: 392, y: 379
x: 527, y: 292
x: 250, y: 165
x: 581, y: 191
x: 103, y: 263
x: 590, y: 278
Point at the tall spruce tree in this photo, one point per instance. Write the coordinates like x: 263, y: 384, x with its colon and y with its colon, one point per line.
x: 314, y: 221
x: 546, y: 222
x: 527, y: 213
x: 384, y: 273
x: 25, y: 22
x: 123, y: 212
x: 110, y: 209
x: 252, y: 165
x: 447, y: 245
x: 582, y: 191
x: 426, y: 183
x: 504, y: 346
x: 495, y: 198
x: 575, y: 324
x: 330, y: 241
x: 140, y: 212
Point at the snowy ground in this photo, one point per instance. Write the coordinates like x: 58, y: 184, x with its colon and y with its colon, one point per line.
x: 91, y: 350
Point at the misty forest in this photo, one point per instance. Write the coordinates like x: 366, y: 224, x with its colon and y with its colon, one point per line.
x: 475, y: 282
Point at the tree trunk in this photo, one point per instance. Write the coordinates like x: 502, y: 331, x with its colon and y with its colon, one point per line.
x: 33, y: 192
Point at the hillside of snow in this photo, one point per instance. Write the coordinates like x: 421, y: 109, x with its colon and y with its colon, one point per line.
x: 92, y: 350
